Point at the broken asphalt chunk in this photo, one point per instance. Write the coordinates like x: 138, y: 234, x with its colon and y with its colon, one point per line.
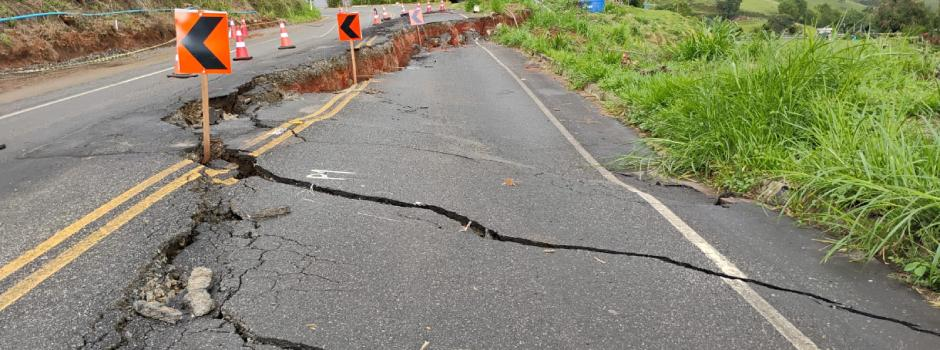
x: 157, y: 311
x: 200, y: 301
x: 200, y: 278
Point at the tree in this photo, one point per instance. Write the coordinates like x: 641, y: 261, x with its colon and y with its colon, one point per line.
x: 780, y: 24
x: 895, y: 15
x: 826, y: 16
x: 855, y: 19
x: 796, y: 9
x: 728, y: 8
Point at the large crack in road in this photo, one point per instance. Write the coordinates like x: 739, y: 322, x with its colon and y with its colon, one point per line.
x: 213, y: 211
x: 248, y: 167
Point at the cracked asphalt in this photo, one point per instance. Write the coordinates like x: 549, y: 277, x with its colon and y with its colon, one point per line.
x: 438, y: 209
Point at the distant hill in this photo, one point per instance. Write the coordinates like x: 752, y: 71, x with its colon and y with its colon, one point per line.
x: 764, y: 8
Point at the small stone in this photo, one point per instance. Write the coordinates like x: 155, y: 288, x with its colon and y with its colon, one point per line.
x: 774, y: 193
x: 3, y: 146
x: 200, y: 301
x: 157, y: 311
x: 200, y: 278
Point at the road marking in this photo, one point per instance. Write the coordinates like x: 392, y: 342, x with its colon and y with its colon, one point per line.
x: 325, y: 174
x: 71, y: 97
x: 307, y: 123
x: 359, y: 45
x: 47, y: 104
x: 376, y: 216
x: 27, y: 284
x: 287, y: 124
x: 79, y: 224
x: 779, y: 322
x: 327, y: 32
x: 365, y: 43
x: 31, y: 281
x: 76, y: 226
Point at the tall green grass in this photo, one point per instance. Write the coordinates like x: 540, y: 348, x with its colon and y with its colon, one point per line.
x: 709, y: 40
x: 851, y: 127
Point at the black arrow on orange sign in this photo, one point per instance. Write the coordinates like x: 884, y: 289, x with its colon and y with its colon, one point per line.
x: 348, y: 30
x: 195, y: 42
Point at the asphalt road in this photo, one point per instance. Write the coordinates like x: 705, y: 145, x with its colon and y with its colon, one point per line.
x: 390, y: 186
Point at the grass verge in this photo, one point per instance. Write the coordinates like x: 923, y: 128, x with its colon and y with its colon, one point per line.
x: 850, y: 127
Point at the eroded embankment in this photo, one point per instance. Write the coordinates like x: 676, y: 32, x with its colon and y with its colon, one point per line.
x: 389, y: 55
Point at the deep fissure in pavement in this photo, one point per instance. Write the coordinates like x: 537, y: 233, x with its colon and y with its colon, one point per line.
x: 108, y: 331
x: 248, y: 167
x: 250, y: 338
x: 334, y: 73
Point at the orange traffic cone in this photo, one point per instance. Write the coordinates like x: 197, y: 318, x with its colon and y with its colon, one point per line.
x: 375, y: 16
x: 442, y: 9
x: 285, y: 39
x: 385, y: 15
x: 231, y: 29
x: 176, y: 69
x: 244, y: 29
x: 429, y: 9
x: 241, y: 52
x: 404, y: 12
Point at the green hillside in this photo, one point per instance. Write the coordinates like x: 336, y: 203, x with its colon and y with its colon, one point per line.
x: 768, y: 7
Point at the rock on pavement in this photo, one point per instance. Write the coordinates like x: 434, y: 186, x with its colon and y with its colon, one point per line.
x: 200, y: 278
x: 157, y: 310
x: 196, y: 295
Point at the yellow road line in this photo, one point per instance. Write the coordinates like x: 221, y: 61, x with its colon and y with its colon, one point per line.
x: 371, y: 41
x: 48, y: 269
x: 307, y: 122
x: 216, y: 172
x: 227, y: 182
x: 79, y: 224
x: 287, y: 124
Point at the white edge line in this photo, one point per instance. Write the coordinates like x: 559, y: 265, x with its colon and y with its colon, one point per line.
x: 777, y: 320
x: 47, y: 104
x: 327, y: 32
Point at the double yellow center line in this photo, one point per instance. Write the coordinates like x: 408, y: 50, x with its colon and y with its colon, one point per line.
x: 366, y: 42
x: 27, y: 284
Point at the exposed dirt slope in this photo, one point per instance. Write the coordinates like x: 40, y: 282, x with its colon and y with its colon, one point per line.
x: 54, y: 40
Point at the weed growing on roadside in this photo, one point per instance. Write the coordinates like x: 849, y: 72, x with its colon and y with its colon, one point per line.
x: 851, y: 127
x: 709, y: 41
